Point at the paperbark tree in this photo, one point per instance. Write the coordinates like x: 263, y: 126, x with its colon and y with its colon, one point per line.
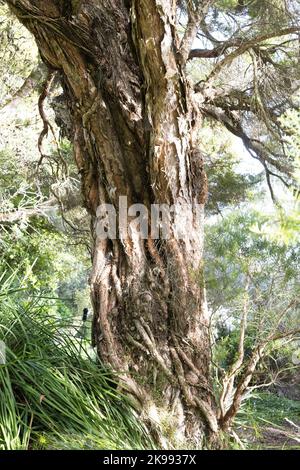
x: 135, y: 119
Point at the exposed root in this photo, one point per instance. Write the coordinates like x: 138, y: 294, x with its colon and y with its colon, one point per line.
x: 46, y: 123
x: 153, y: 350
x: 137, y: 344
x: 196, y: 402
x: 191, y: 365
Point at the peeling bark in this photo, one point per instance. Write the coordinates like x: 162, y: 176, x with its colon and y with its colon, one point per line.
x: 134, y: 132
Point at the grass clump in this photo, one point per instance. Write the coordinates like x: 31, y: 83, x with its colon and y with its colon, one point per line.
x: 51, y: 396
x: 271, y: 408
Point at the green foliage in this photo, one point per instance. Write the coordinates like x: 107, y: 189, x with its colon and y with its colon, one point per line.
x: 51, y: 395
x: 235, y: 252
x: 274, y: 12
x: 226, y: 348
x: 284, y: 228
x: 271, y: 12
x: 226, y: 185
x: 270, y: 408
x: 18, y: 53
x: 227, y: 4
x: 285, y: 224
x: 38, y: 246
x: 235, y: 187
x: 234, y: 248
x: 10, y: 171
x: 44, y: 261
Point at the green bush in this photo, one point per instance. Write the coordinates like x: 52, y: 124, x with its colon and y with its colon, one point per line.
x: 51, y: 395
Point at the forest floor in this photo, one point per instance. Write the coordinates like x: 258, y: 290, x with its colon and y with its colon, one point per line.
x: 283, y: 437
x: 270, y: 422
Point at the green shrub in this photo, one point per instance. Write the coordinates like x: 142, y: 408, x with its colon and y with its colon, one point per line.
x: 51, y: 395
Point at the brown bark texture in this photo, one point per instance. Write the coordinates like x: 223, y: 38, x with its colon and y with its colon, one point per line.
x: 134, y: 129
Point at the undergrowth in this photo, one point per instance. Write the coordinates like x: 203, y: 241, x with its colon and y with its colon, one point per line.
x: 52, y: 396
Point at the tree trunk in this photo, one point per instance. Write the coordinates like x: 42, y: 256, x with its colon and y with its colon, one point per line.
x: 134, y: 133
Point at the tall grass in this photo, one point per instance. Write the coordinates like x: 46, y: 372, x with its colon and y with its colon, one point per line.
x: 50, y: 395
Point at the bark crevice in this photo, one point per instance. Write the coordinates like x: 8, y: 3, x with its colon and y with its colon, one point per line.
x: 134, y: 130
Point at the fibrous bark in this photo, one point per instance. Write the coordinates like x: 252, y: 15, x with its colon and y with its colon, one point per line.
x: 134, y: 133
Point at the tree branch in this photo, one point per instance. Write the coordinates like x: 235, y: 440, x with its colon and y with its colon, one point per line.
x: 217, y: 51
x: 33, y: 80
x: 255, y: 357
x: 229, y: 378
x: 14, y: 217
x: 255, y: 147
x: 196, y: 13
x: 243, y: 46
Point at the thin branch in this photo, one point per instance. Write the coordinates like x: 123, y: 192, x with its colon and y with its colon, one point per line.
x: 30, y: 83
x: 254, y: 146
x: 245, y: 45
x: 291, y: 304
x: 255, y: 357
x: 229, y: 378
x: 196, y: 13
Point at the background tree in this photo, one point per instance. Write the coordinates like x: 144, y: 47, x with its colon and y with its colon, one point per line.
x: 253, y: 293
